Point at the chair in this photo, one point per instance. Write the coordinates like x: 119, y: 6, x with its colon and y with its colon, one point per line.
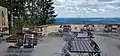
x: 29, y: 41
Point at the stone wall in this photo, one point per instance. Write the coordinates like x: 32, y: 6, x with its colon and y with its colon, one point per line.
x: 54, y: 28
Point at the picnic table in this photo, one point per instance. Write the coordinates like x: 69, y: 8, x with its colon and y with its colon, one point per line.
x: 84, y: 46
x: 75, y: 31
x: 83, y: 35
x: 39, y: 33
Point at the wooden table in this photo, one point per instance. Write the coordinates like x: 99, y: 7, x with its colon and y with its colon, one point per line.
x: 84, y: 46
x: 75, y: 31
x: 83, y: 35
x: 36, y: 32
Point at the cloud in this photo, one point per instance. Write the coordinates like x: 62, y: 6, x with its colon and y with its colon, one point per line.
x: 105, y: 0
x: 102, y: 10
x: 87, y: 8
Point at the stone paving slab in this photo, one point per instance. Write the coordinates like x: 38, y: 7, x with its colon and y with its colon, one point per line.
x: 46, y: 47
x: 108, y: 46
x: 49, y: 45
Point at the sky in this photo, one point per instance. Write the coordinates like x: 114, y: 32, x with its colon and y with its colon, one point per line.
x: 87, y: 8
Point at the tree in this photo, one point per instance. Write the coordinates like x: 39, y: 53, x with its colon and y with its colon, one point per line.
x: 16, y: 14
x: 47, y: 11
x: 24, y: 13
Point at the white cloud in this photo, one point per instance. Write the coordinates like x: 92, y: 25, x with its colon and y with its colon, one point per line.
x: 75, y: 8
x: 109, y: 6
x: 94, y: 10
x: 102, y: 10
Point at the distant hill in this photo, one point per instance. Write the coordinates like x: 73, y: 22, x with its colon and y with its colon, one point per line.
x: 87, y: 21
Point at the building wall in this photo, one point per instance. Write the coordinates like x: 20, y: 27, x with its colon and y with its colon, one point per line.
x: 3, y: 17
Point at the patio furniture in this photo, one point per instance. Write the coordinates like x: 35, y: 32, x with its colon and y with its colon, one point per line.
x: 14, y: 38
x: 19, y: 43
x: 75, y: 31
x: 83, y: 36
x: 84, y: 46
x: 111, y: 28
x: 89, y: 27
x: 29, y: 41
x: 66, y: 28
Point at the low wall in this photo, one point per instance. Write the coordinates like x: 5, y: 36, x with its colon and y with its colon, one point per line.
x: 54, y: 28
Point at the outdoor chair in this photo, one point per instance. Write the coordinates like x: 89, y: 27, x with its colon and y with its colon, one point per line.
x: 90, y: 34
x: 30, y: 41
x: 28, y: 46
x: 19, y: 42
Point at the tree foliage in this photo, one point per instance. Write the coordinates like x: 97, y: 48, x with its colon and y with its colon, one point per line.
x: 25, y: 13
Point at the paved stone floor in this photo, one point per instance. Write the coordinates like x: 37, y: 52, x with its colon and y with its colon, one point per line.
x: 3, y: 47
x: 108, y: 45
x: 50, y: 45
x: 46, y: 47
